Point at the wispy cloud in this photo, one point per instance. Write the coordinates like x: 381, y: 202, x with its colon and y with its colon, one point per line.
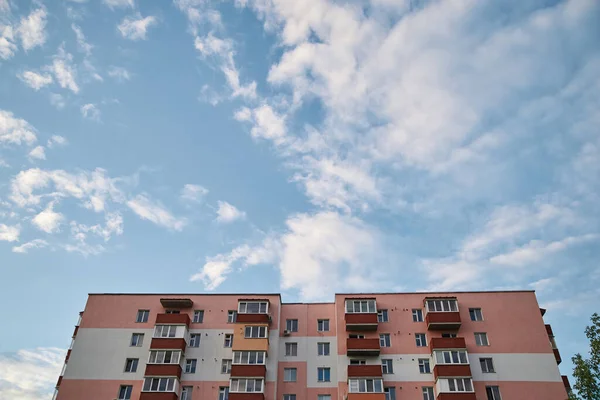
x: 34, y: 244
x: 119, y: 73
x: 91, y: 111
x: 193, y: 193
x: 32, y: 29
x: 48, y: 221
x: 15, y: 130
x: 9, y: 233
x: 37, y: 153
x: 227, y: 213
x: 64, y: 72
x: 119, y: 3
x: 147, y: 209
x: 135, y: 28
x: 82, y: 44
x: 35, y: 80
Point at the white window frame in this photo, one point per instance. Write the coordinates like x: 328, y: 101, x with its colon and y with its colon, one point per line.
x: 226, y: 366
x: 428, y: 393
x: 170, y: 382
x: 385, y: 340
x: 361, y: 306
x: 145, y: 315
x: 290, y: 374
x: 262, y: 305
x: 165, y: 331
x: 228, y: 340
x: 418, y: 313
x: 441, y: 305
x: 322, y: 324
x: 479, y: 342
x: 323, y: 397
x: 358, y: 361
x: 257, y: 385
x: 383, y: 315
x: 134, y: 365
x: 387, y: 366
x: 291, y: 325
x: 466, y: 383
x: 388, y: 390
x: 223, y: 392
x: 231, y: 316
x: 289, y: 397
x: 186, y: 392
x: 323, y: 348
x: 424, y: 365
x: 256, y: 332
x: 159, y: 356
x: 323, y: 370
x: 139, y: 340
x: 477, y: 312
x: 198, y: 320
x: 127, y: 394
x: 246, y: 357
x: 489, y: 365
x: 495, y: 396
x: 361, y: 385
x: 192, y: 363
x: 421, y: 342
x: 291, y: 346
x: 195, y: 339
x: 448, y: 357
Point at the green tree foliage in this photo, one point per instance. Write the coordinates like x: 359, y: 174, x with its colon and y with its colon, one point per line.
x: 586, y: 371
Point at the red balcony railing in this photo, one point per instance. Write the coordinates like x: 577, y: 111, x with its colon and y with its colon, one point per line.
x: 168, y: 344
x: 246, y: 396
x: 249, y: 371
x: 557, y: 356
x: 443, y: 320
x: 447, y: 343
x: 451, y: 370
x: 367, y: 347
x: 364, y: 371
x: 163, y: 370
x: 173, y: 319
x: 361, y: 322
x: 456, y: 396
x: 253, y: 318
x: 158, y: 396
x: 366, y: 396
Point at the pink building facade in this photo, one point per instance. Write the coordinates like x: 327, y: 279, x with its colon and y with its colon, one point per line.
x: 392, y: 346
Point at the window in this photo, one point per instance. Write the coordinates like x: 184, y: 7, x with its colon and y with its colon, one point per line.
x: 225, y: 366
x: 362, y: 385
x: 228, y: 342
x: 190, y: 366
x: 231, y: 316
x: 417, y: 315
x: 360, y: 306
x: 493, y: 393
x: 387, y: 366
x: 195, y: 339
x: 428, y: 393
x: 289, y: 374
x: 198, y: 316
x: 291, y: 349
x: 448, y: 335
x: 324, y: 374
x: 165, y: 331
x: 356, y: 336
x: 384, y: 340
x: 475, y: 314
x: 481, y: 339
x: 137, y: 339
x: 445, y: 305
x: 186, y: 393
x: 458, y: 384
x: 358, y: 362
x: 173, y: 312
x: 487, y: 366
x: 164, y: 357
x: 390, y: 393
x: 323, y: 325
x: 253, y: 307
x: 248, y: 357
x: 131, y: 364
x: 125, y: 392
x: 323, y: 349
x: 451, y: 357
x: 246, y: 385
x: 223, y: 393
x: 159, y: 384
x: 289, y: 397
x: 291, y: 325
x: 142, y: 316
x: 421, y: 339
x: 323, y: 397
x: 382, y: 316
x: 255, y: 332
x: 424, y: 366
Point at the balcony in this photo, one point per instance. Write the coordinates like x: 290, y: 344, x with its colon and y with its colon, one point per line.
x: 177, y: 303
x: 366, y: 396
x: 163, y: 370
x: 443, y: 320
x: 173, y: 319
x: 246, y: 396
x: 158, y: 396
x: 75, y: 331
x: 457, y: 396
x: 249, y: 371
x: 364, y: 371
x: 566, y: 382
x: 361, y: 321
x: 254, y: 318
x: 557, y: 356
x: 549, y: 330
x: 362, y: 347
x: 451, y: 370
x: 168, y: 344
x: 447, y: 343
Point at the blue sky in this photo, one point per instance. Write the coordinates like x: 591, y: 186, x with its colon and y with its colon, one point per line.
x: 305, y: 147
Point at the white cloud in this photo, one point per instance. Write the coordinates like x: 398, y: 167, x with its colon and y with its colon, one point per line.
x: 119, y: 3
x: 119, y: 73
x: 4, y: 5
x: 15, y: 130
x: 7, y: 42
x: 113, y: 226
x: 31, y: 29
x: 145, y: 208
x: 56, y: 140
x: 268, y: 124
x: 38, y: 153
x: 63, y: 70
x: 34, y: 80
x: 193, y: 193
x: 48, y: 220
x: 30, y: 374
x: 134, y: 28
x: 83, y: 46
x: 227, y: 213
x: 57, y: 101
x: 10, y: 233
x: 34, y: 244
x: 90, y: 111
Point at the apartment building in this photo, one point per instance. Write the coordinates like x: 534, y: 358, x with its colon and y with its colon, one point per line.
x: 379, y: 346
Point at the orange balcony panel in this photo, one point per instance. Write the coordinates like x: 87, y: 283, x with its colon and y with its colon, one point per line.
x: 168, y: 344
x: 566, y: 382
x: 361, y: 322
x: 246, y: 396
x: 443, y: 320
x: 364, y: 371
x: 249, y: 371
x: 549, y: 330
x: 456, y: 396
x: 173, y: 319
x: 451, y: 370
x: 447, y: 343
x: 557, y: 356
x: 158, y: 396
x: 366, y: 396
x: 364, y: 347
x: 75, y: 331
x: 163, y: 370
x: 59, y: 381
x: 253, y: 318
x: 68, y: 355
